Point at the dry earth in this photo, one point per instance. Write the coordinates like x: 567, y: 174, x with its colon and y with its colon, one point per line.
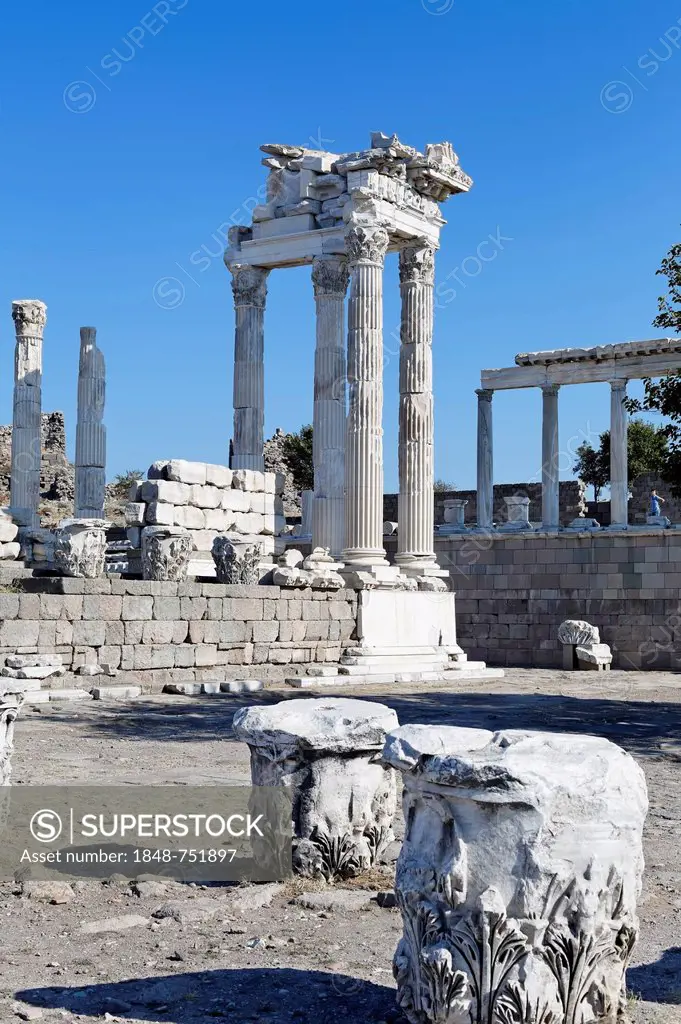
x: 228, y: 953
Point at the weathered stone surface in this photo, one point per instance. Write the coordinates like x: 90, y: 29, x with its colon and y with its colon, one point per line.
x: 10, y: 705
x: 235, y: 562
x: 90, y: 429
x: 80, y: 547
x: 518, y: 876
x: 597, y: 657
x: 576, y: 631
x: 165, y: 553
x: 325, y: 751
x: 8, y: 530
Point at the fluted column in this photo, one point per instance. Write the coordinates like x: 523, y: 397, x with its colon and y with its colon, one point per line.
x: 330, y: 282
x: 619, y: 486
x: 485, y: 460
x: 90, y: 430
x: 416, y: 498
x: 30, y: 317
x: 366, y: 247
x: 550, y: 479
x: 249, y: 285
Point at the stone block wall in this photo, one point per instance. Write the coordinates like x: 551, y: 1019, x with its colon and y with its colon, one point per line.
x: 570, y: 492
x: 514, y: 591
x: 208, y: 500
x: 155, y: 633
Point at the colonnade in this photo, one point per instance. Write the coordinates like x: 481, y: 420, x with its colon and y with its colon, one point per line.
x: 619, y: 488
x: 348, y: 448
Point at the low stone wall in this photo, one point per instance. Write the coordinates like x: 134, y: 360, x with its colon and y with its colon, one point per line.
x: 513, y: 592
x: 155, y: 633
x: 570, y: 492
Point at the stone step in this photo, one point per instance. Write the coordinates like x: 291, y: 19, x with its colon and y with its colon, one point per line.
x: 214, y: 688
x: 312, y: 682
x: 43, y: 696
x: 367, y: 666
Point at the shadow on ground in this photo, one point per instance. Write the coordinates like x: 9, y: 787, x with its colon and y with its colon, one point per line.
x: 659, y: 982
x: 641, y: 727
x: 268, y: 995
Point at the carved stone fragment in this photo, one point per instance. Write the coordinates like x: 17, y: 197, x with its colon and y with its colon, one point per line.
x: 80, y: 547
x: 10, y: 705
x: 236, y: 562
x: 165, y: 553
x: 327, y: 752
x: 576, y: 631
x: 518, y: 876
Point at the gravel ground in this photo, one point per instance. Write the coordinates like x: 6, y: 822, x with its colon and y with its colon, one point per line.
x: 298, y: 953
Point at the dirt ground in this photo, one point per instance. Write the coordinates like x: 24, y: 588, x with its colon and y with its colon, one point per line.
x: 301, y: 953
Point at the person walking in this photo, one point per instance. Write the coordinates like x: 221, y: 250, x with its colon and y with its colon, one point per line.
x: 656, y: 502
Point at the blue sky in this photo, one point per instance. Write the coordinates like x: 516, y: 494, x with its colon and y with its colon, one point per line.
x: 130, y: 141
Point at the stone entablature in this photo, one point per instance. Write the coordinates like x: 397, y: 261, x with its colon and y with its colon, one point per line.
x: 160, y: 632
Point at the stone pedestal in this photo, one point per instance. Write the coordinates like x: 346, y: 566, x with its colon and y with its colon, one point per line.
x: 415, y: 554
x: 249, y: 286
x: 90, y: 430
x: 330, y: 281
x: 518, y: 876
x: 619, y: 488
x: 485, y: 460
x: 517, y: 514
x: 327, y: 753
x: 236, y: 561
x: 550, y: 471
x: 366, y: 247
x: 455, y: 512
x: 166, y: 551
x: 10, y: 705
x: 30, y: 317
x: 80, y: 547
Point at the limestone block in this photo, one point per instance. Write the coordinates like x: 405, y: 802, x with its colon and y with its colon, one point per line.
x: 246, y: 480
x: 80, y: 547
x: 283, y: 226
x: 248, y: 522
x: 258, y: 502
x: 218, y: 519
x: 202, y: 540
x: 235, y: 562
x: 597, y: 657
x: 133, y: 535
x: 206, y: 496
x: 269, y: 480
x: 518, y: 875
x: 326, y: 751
x: 291, y: 558
x: 168, y: 491
x: 218, y: 476
x: 8, y: 530
x: 161, y: 514
x: 10, y: 551
x: 185, y: 472
x: 134, y: 490
x: 136, y: 608
x: 576, y: 631
x: 236, y: 500
x: 190, y: 517
x: 165, y: 552
x: 89, y: 633
x: 134, y: 513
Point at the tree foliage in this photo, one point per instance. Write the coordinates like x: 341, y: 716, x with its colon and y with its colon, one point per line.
x: 123, y: 481
x: 297, y: 452
x: 440, y: 485
x: 664, y: 395
x: 646, y: 453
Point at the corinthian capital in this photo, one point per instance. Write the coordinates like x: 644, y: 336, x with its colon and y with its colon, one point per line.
x: 329, y: 275
x: 366, y: 243
x: 249, y: 284
x: 417, y: 263
x: 29, y: 315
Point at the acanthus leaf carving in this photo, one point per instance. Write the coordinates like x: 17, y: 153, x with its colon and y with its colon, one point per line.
x: 366, y: 243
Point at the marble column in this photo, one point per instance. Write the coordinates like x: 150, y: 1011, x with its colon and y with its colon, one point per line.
x: 249, y: 285
x: 90, y: 430
x: 330, y: 282
x: 485, y: 460
x: 416, y: 498
x: 550, y: 479
x: 366, y: 246
x: 619, y: 486
x: 30, y: 317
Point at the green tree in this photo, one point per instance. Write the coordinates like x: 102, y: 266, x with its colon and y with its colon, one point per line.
x: 122, y: 481
x: 297, y: 453
x: 664, y: 395
x: 591, y: 467
x: 646, y: 453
